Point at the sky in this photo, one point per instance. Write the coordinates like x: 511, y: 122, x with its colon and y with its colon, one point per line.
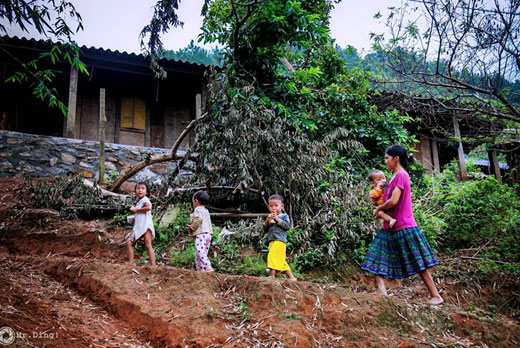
x: 115, y: 24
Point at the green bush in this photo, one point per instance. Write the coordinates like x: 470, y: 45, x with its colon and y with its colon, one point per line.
x: 480, y: 211
x: 228, y: 256
x: 177, y: 228
x: 310, y: 259
x: 472, y: 214
x: 183, y: 257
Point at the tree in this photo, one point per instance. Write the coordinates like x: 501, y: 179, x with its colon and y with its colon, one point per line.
x: 464, y: 50
x: 196, y: 54
x: 286, y: 116
x: 49, y: 18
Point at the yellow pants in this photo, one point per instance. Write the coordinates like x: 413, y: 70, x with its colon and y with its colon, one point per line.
x: 276, y: 257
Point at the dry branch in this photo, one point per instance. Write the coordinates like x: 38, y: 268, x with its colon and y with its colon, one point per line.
x: 172, y: 155
x: 235, y: 215
x: 104, y: 192
x: 207, y: 188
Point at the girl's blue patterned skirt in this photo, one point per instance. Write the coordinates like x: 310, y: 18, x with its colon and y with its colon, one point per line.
x: 399, y: 254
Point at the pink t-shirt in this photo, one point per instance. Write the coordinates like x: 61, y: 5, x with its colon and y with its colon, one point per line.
x: 402, y: 211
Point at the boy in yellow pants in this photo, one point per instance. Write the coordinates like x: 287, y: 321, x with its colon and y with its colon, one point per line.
x: 276, y: 225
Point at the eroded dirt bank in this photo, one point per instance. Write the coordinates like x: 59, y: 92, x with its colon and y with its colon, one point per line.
x: 64, y: 284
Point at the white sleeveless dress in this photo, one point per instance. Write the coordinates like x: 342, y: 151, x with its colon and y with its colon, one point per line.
x: 143, y: 221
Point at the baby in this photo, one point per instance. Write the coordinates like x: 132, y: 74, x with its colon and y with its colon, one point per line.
x: 378, y: 181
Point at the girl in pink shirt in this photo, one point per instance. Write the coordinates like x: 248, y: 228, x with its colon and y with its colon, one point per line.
x: 402, y: 250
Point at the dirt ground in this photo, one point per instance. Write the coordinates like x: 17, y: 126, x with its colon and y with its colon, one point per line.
x: 65, y: 284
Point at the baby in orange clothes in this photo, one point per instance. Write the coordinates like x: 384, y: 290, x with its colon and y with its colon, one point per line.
x: 378, y: 181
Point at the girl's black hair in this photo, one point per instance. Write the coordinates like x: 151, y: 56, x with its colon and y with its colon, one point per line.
x: 202, y: 197
x: 145, y: 185
x: 399, y: 150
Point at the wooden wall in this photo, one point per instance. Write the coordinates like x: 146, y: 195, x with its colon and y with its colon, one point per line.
x: 87, y: 116
x: 164, y: 124
x: 427, y: 153
x: 164, y: 109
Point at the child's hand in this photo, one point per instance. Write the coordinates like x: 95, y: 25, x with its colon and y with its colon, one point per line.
x: 133, y: 209
x: 189, y: 229
x: 275, y: 218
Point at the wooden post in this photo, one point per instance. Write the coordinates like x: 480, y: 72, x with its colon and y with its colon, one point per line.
x: 493, y: 161
x: 198, y: 106
x: 462, y: 160
x: 17, y: 120
x: 426, y: 155
x: 435, y: 154
x: 101, y: 135
x: 73, y: 95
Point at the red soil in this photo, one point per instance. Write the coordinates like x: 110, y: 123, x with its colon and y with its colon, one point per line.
x: 66, y: 282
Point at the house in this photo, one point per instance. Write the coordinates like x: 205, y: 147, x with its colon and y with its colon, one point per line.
x: 140, y: 109
x: 445, y: 128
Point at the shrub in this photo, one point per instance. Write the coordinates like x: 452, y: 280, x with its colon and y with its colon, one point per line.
x: 183, y: 257
x: 473, y: 214
x: 479, y: 211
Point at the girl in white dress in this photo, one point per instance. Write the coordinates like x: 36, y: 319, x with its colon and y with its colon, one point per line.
x: 143, y: 225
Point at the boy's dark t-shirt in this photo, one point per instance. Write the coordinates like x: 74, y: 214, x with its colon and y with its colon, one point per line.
x: 278, y: 231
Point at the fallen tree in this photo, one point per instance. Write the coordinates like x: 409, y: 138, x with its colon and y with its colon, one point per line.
x: 152, y: 159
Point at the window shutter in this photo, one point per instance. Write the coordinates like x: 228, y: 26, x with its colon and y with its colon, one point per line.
x: 127, y: 113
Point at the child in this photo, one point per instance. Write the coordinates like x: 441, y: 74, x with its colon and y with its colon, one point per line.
x: 378, y: 181
x: 276, y: 225
x: 201, y: 229
x: 143, y: 224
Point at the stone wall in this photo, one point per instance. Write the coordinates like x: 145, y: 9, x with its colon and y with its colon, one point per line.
x: 46, y: 156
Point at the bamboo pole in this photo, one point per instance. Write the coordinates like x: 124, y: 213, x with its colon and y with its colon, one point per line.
x: 71, y: 107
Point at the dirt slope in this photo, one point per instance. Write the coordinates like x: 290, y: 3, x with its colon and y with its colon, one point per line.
x: 63, y: 285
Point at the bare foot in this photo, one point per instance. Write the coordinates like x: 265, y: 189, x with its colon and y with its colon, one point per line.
x: 436, y: 300
x: 392, y: 223
x: 381, y: 292
x: 293, y: 279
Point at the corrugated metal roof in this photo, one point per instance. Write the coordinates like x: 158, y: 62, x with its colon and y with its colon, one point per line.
x: 98, y: 51
x: 485, y: 163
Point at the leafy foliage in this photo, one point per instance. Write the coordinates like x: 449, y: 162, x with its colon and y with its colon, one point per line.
x: 479, y: 214
x: 196, y: 54
x: 164, y: 17
x: 286, y: 116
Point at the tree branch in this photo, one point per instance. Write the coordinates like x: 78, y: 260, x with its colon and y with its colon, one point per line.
x: 172, y: 155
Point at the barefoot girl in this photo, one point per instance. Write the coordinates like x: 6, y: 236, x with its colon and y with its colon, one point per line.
x: 143, y: 225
